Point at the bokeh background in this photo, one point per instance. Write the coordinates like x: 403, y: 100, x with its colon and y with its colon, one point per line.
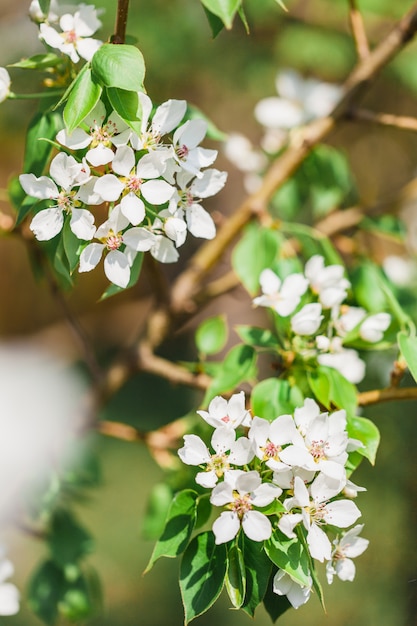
x: 225, y: 78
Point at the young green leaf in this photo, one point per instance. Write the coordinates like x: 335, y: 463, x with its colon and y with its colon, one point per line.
x: 238, y: 366
x: 202, y: 573
x: 273, y: 397
x: 236, y: 576
x: 224, y: 9
x: 211, y: 335
x: 257, y: 337
x: 179, y: 525
x: 44, y: 125
x: 255, y: 252
x: 38, y: 62
x: 68, y: 540
x: 119, y: 66
x: 363, y: 429
x: 127, y: 105
x: 408, y: 347
x: 84, y: 95
x: 289, y: 555
x: 258, y: 570
x: 215, y: 23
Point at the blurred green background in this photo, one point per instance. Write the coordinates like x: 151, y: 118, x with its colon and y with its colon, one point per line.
x: 225, y: 78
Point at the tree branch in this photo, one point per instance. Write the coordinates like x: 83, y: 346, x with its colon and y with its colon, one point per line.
x: 358, y: 30
x: 121, y: 22
x: 376, y: 396
x: 401, y: 122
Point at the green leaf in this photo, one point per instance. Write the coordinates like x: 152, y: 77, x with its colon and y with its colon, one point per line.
x: 366, y: 431
x: 238, y: 365
x: 44, y: 125
x: 134, y: 276
x: 119, y: 66
x: 215, y: 23
x: 127, y: 105
x: 255, y: 252
x: 319, y: 384
x: 330, y: 387
x: 258, y: 569
x: 204, y: 509
x: 194, y: 113
x: 408, y: 347
x: 71, y: 246
x: 273, y: 397
x: 243, y: 17
x: 38, y: 62
x: 257, y: 337
x: 46, y: 588
x: 67, y: 539
x: 83, y: 97
x: 275, y: 605
x: 202, y: 573
x: 60, y: 260
x: 44, y: 6
x: 179, y: 525
x: 289, y: 555
x: 79, y: 601
x: 211, y: 335
x: 224, y: 9
x: 235, y: 576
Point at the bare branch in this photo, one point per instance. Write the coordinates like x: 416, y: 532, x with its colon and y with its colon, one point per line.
x: 387, y: 395
x: 358, y: 30
x: 401, y: 122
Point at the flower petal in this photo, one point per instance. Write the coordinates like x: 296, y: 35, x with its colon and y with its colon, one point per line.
x: 116, y: 268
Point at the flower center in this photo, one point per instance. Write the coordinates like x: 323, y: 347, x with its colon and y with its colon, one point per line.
x: 219, y: 463
x: 241, y: 504
x: 113, y: 240
x: 271, y: 451
x: 317, y: 450
x: 150, y: 139
x: 66, y: 200
x: 70, y: 36
x: 186, y: 199
x: 182, y: 151
x: 102, y: 134
x: 133, y: 183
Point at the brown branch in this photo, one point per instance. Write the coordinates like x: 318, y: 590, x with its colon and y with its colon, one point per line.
x: 387, y: 395
x: 118, y: 430
x: 121, y: 22
x: 358, y: 30
x: 401, y: 122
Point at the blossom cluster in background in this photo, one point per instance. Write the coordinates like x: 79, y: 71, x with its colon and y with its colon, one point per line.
x: 152, y: 182
x: 319, y: 321
x: 298, y: 102
x: 293, y: 469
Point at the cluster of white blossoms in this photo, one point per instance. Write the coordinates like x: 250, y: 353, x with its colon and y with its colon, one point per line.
x: 67, y: 30
x: 320, y: 322
x: 9, y: 594
x: 298, y: 102
x: 297, y: 461
x: 152, y: 182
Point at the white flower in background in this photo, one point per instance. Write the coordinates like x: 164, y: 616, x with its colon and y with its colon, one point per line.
x: 5, y: 83
x: 66, y: 173
x: 328, y: 282
x: 55, y: 11
x: 284, y: 585
x: 400, y: 270
x: 307, y: 321
x: 316, y: 510
x: 188, y: 153
x: 241, y: 152
x: 349, y: 318
x: 345, y: 360
x: 9, y: 594
x: 299, y: 101
x: 133, y: 182
x: 102, y: 135
x: 118, y: 262
x: 373, y: 328
x: 240, y: 492
x: 231, y: 413
x: 346, y: 547
x: 75, y: 39
x: 282, y: 296
x: 228, y: 451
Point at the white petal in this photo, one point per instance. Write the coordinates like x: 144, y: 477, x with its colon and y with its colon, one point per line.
x: 139, y: 239
x: 109, y: 187
x: 191, y: 133
x: 209, y: 184
x: 150, y: 166
x: 77, y: 140
x: 87, y: 48
x: 342, y: 513
x: 116, y: 268
x: 133, y: 208
x: 124, y: 161
x: 90, y: 257
x: 319, y: 543
x: 345, y: 569
x: 207, y: 479
x: 100, y: 155
x: 226, y: 527
x: 256, y: 526
x: 222, y: 494
x: 42, y: 188
x: 278, y: 113
x: 47, y: 223
x: 199, y: 222
x: 157, y: 191
x: 265, y: 494
x: 9, y: 599
x: 168, y: 116
x: 194, y: 452
x: 82, y: 224
x: 63, y: 169
x: 164, y: 250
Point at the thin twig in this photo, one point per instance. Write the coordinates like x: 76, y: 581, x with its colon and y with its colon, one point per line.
x: 358, y: 30
x: 121, y: 22
x: 387, y: 395
x: 402, y: 122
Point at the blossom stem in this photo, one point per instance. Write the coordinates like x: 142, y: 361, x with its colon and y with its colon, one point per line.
x: 358, y: 30
x: 34, y: 96
x: 375, y: 396
x: 121, y: 22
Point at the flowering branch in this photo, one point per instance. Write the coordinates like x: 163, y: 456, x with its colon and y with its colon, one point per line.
x: 358, y: 30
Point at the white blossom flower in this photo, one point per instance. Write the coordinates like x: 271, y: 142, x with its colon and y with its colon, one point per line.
x: 166, y: 117
x: 75, y: 39
x: 188, y: 153
x: 346, y: 547
x: 282, y: 296
x: 327, y: 282
x: 299, y: 101
x: 66, y: 173
x: 100, y: 137
x: 228, y: 451
x: 231, y: 413
x: 284, y: 585
x: 5, y: 83
x: 241, y: 152
x: 133, y: 182
x: 350, y: 317
x: 373, y: 328
x: 345, y: 360
x: 240, y: 492
x: 315, y: 511
x: 401, y: 271
x: 307, y: 321
x: 270, y: 439
x: 9, y: 594
x: 118, y: 262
